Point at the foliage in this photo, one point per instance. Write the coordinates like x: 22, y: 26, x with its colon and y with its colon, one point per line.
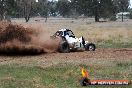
x: 121, y: 5
x: 113, y: 18
x: 7, y: 7
x: 65, y: 8
x: 130, y: 14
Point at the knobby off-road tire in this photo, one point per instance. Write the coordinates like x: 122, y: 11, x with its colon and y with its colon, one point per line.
x: 90, y: 47
x: 64, y: 47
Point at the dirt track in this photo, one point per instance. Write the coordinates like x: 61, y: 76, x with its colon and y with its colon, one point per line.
x: 101, y: 55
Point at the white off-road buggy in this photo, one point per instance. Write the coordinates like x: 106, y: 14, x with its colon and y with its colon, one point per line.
x: 70, y: 43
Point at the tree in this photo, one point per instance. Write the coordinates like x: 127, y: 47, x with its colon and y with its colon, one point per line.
x: 6, y: 8
x: 25, y: 6
x: 96, y: 5
x: 63, y: 7
x: 27, y: 9
x: 87, y: 7
x: 42, y: 8
x: 53, y: 8
x: 82, y: 7
x: 121, y: 6
x: 102, y: 9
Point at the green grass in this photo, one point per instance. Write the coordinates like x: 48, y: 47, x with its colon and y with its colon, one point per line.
x: 60, y: 76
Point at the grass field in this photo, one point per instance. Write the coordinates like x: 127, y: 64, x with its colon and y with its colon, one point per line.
x: 61, y: 75
x: 62, y: 70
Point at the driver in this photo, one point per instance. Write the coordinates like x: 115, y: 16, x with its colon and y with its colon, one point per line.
x: 69, y: 39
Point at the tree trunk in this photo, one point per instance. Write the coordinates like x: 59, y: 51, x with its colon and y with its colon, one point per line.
x: 96, y: 18
x: 2, y: 15
x: 96, y: 15
x: 46, y: 19
x: 27, y: 18
x: 27, y: 11
x: 122, y: 17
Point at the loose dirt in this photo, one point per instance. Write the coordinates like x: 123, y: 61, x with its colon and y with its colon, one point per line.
x: 98, y: 53
x: 100, y: 56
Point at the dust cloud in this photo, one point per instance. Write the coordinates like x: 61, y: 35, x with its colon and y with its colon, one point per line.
x: 17, y: 39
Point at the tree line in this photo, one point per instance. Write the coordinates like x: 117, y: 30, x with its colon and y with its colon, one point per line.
x: 65, y: 8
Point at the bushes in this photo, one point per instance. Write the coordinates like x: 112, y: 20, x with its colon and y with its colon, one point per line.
x: 113, y: 18
x: 130, y: 15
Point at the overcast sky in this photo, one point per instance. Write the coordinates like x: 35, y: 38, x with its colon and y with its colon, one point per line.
x: 131, y: 3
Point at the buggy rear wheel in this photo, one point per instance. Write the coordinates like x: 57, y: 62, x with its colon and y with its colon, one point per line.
x: 64, y: 47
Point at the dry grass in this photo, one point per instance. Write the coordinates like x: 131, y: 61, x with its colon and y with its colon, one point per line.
x: 117, y: 32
